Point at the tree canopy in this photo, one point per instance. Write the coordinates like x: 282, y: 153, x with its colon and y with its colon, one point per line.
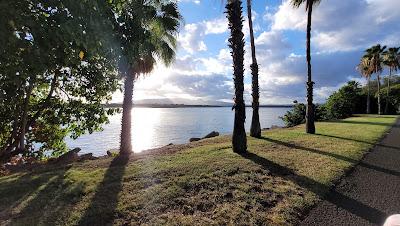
x: 57, y: 68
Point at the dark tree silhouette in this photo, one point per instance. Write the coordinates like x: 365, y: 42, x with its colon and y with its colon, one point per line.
x: 310, y: 115
x: 255, y: 129
x: 374, y: 55
x: 236, y: 43
x: 391, y: 59
x: 147, y: 33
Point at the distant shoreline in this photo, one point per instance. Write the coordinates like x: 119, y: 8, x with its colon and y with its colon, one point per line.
x: 116, y: 105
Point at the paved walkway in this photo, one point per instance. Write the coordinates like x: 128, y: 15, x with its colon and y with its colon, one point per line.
x: 368, y: 195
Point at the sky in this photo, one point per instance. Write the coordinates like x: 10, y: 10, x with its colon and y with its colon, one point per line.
x: 202, y: 71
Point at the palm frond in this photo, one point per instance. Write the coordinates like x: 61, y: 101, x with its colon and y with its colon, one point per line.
x: 148, y: 32
x: 364, y: 67
x: 298, y: 3
x: 375, y: 56
x: 391, y: 58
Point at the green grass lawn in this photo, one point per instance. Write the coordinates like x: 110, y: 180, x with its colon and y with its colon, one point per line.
x: 283, y: 175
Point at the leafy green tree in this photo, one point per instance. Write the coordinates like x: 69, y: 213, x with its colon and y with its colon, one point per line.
x: 374, y: 55
x: 344, y: 102
x: 236, y: 43
x: 366, y: 71
x: 55, y: 74
x: 255, y: 129
x: 297, y: 114
x: 394, y: 98
x: 391, y: 59
x: 310, y: 115
x: 146, y: 32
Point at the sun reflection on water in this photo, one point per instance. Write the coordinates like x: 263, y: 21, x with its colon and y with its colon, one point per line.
x: 157, y: 127
x: 144, y: 124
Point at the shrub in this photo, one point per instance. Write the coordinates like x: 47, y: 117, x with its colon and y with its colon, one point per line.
x: 297, y: 115
x: 344, y: 102
x: 320, y: 112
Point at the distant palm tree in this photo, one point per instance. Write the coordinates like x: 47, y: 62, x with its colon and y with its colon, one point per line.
x: 148, y: 35
x: 374, y: 55
x: 391, y: 58
x: 310, y: 115
x: 255, y: 129
x: 365, y: 70
x: 236, y: 43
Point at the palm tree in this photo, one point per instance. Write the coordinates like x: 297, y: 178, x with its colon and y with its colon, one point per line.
x: 255, y: 129
x: 310, y: 115
x: 365, y: 70
x: 391, y: 58
x: 236, y: 43
x: 147, y: 33
x: 374, y: 55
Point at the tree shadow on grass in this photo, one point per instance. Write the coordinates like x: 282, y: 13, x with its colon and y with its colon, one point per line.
x: 15, y: 190
x: 359, y: 141
x: 337, y: 156
x: 42, y: 198
x: 373, y: 116
x: 368, y: 123
x: 101, y: 210
x: 323, y: 191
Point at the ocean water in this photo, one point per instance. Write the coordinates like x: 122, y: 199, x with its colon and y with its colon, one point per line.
x: 156, y: 127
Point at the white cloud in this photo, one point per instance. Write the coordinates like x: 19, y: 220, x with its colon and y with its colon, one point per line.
x: 191, y: 38
x: 216, y: 26
x: 341, y: 30
x: 288, y: 18
x: 215, y: 65
x: 344, y: 25
x: 322, y: 93
x: 197, y: 2
x: 224, y: 54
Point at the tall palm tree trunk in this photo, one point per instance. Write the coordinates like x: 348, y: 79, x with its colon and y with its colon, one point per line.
x: 310, y: 125
x: 379, y: 93
x: 369, y: 95
x: 387, y: 92
x: 255, y: 129
x: 236, y: 43
x: 126, y: 139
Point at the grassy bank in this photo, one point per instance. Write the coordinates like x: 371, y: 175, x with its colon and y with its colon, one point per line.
x: 284, y: 174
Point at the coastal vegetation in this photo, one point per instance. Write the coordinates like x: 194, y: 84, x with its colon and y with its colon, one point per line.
x: 61, y: 62
x: 55, y: 74
x: 350, y: 99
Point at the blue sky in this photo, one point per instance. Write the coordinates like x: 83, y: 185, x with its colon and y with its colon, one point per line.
x: 202, y: 72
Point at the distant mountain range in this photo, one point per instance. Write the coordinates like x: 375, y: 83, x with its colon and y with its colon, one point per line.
x: 184, y: 103
x: 180, y: 101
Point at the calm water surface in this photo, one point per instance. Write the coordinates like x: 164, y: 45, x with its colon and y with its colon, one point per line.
x: 156, y: 127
